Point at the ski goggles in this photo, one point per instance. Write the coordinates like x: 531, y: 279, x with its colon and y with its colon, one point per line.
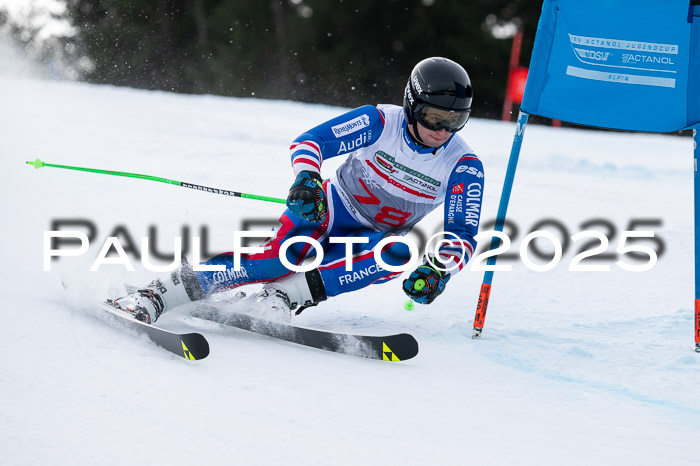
x: 436, y: 119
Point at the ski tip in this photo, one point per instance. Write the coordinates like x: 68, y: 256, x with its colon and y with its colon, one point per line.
x: 37, y: 163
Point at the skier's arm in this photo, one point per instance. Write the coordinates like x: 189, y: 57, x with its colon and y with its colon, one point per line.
x: 341, y: 135
x: 463, y: 210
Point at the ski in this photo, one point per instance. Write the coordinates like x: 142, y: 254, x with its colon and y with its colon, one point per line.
x: 191, y: 346
x: 397, y: 347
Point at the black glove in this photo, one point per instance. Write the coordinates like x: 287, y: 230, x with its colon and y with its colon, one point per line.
x: 306, y: 197
x: 426, y: 282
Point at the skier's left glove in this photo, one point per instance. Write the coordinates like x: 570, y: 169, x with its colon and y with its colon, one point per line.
x: 426, y: 282
x: 307, y: 199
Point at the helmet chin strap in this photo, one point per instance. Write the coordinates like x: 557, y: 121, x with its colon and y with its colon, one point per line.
x: 416, y: 134
x: 417, y: 139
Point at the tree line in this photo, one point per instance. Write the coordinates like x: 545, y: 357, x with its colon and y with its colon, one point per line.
x: 337, y: 52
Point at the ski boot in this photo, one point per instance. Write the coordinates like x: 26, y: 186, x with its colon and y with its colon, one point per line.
x: 161, y: 295
x: 278, y: 299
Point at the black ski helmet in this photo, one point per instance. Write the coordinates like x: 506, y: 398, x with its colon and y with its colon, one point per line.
x: 438, y: 83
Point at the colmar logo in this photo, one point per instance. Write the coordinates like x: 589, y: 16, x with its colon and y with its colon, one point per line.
x: 351, y: 126
x: 458, y: 188
x: 229, y: 275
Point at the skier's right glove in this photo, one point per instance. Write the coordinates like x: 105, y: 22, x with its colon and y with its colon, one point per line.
x: 426, y: 282
x: 307, y: 199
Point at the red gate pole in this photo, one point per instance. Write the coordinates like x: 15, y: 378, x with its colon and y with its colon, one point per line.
x: 514, y: 61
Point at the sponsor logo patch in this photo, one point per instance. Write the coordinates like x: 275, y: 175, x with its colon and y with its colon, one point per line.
x: 349, y: 127
x: 409, y: 94
x: 470, y: 170
x: 416, y: 84
x: 389, y: 160
x: 637, y: 58
x: 592, y: 54
x: 230, y: 275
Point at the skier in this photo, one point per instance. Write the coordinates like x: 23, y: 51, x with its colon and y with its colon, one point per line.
x: 401, y: 164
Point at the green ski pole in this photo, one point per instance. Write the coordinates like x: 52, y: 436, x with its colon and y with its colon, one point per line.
x: 39, y: 163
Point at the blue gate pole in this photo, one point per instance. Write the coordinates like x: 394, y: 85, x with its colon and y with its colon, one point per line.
x: 696, y: 210
x: 485, y: 291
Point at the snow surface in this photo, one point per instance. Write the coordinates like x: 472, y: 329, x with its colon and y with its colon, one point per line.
x: 574, y: 368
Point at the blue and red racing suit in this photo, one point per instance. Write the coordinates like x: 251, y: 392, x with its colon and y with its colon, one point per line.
x: 385, y: 186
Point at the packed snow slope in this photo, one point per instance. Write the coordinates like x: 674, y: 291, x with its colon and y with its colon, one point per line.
x: 574, y: 368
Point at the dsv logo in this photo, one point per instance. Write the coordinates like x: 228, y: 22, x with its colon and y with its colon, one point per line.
x: 593, y: 54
